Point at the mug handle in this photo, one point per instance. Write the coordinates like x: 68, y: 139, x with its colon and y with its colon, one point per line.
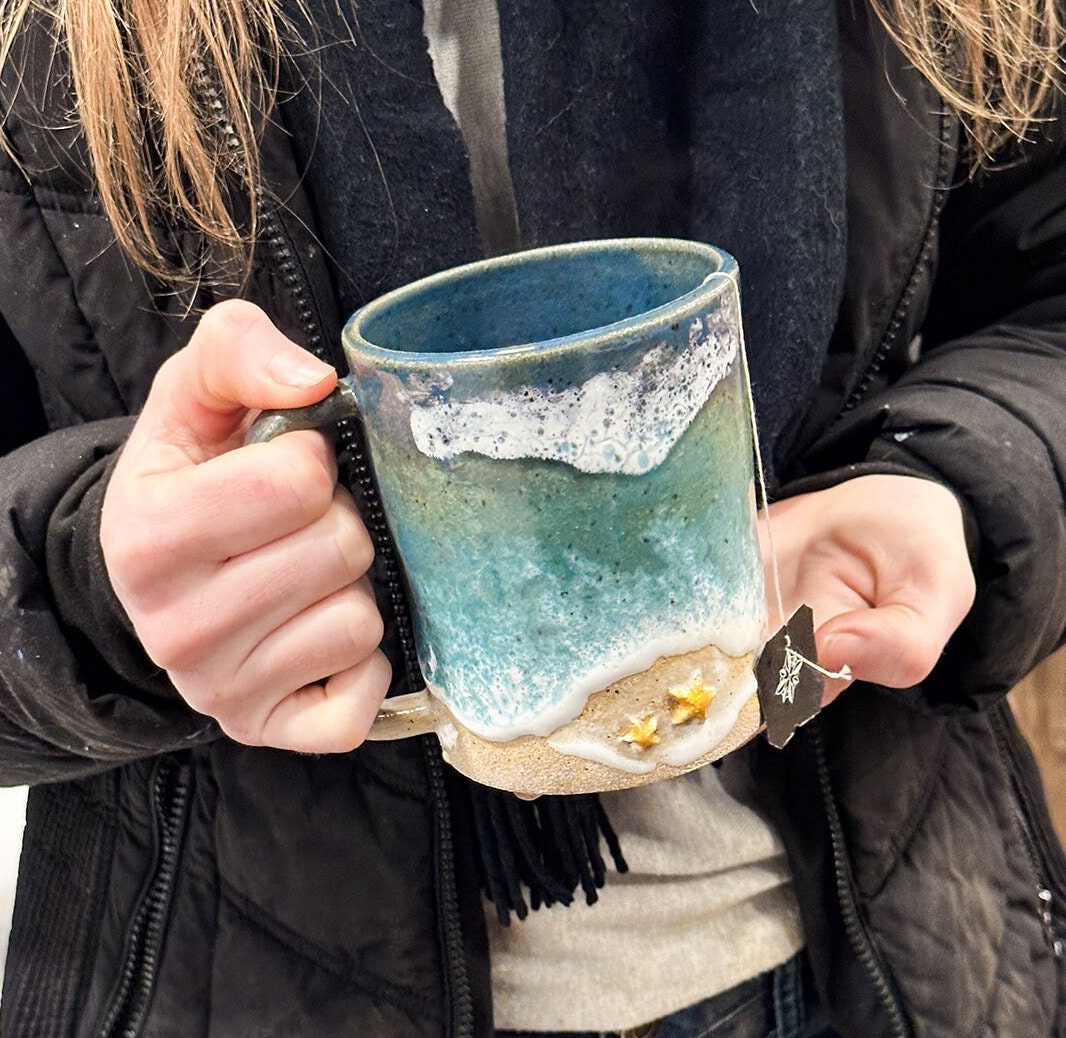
x: 399, y: 717
x: 340, y: 404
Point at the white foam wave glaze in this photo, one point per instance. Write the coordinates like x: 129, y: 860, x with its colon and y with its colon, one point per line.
x: 617, y: 421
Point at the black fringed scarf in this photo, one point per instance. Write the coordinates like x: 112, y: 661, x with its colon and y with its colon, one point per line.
x: 717, y: 120
x: 541, y: 852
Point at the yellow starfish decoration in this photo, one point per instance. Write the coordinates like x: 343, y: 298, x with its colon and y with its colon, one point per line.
x: 692, y: 700
x: 642, y: 734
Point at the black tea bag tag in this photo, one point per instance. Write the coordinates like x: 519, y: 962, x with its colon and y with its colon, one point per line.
x: 790, y: 691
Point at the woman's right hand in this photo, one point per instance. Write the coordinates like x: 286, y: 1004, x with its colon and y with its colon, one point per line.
x: 243, y: 568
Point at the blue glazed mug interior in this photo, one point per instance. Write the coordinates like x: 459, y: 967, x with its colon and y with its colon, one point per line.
x: 534, y: 299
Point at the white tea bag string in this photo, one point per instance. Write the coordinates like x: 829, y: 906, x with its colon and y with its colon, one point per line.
x: 792, y: 656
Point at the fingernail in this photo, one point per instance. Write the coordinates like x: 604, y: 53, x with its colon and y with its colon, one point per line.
x: 298, y: 369
x: 841, y: 650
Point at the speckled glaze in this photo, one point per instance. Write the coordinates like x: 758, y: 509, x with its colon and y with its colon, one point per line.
x: 563, y: 445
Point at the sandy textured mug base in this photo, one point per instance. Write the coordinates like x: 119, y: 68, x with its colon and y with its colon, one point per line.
x: 633, y: 732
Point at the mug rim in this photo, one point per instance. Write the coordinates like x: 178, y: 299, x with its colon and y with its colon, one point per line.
x: 354, y: 340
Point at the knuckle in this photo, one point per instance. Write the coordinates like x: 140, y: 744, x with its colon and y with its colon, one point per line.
x: 355, y: 550
x: 240, y: 729
x: 135, y: 562
x: 361, y: 701
x: 295, y: 480
x: 228, y: 334
x: 908, y: 674
x: 217, y: 699
x: 172, y: 371
x: 365, y: 626
x: 966, y: 592
x: 178, y: 644
x: 915, y: 664
x: 343, y: 738
x: 139, y: 543
x: 229, y: 320
x: 126, y: 556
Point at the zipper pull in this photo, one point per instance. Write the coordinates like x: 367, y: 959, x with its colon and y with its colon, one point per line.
x: 1058, y: 947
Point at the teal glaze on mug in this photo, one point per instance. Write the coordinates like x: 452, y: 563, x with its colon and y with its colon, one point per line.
x: 563, y: 445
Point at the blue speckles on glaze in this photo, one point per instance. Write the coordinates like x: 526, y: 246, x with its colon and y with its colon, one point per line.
x: 536, y: 584
x: 570, y: 510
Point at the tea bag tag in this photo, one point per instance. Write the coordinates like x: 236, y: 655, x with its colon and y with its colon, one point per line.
x: 790, y: 683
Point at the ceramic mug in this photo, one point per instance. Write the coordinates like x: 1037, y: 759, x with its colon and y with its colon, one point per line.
x: 562, y: 440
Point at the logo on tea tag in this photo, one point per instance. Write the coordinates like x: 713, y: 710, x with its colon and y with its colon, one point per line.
x: 790, y: 683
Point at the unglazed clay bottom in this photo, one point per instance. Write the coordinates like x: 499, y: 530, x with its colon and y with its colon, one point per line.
x: 558, y: 763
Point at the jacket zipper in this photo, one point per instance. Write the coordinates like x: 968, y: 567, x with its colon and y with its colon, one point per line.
x: 170, y: 798
x: 948, y: 128
x: 854, y: 927
x: 460, y: 993
x: 351, y: 446
x: 459, y: 989
x: 1041, y: 846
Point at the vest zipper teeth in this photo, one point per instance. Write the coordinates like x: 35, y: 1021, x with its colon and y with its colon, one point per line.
x: 373, y: 514
x: 945, y: 165
x: 170, y: 797
x: 855, y: 928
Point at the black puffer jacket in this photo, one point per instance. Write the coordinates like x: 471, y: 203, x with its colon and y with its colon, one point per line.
x: 177, y: 884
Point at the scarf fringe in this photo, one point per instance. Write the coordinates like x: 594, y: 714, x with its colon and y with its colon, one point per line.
x: 540, y: 852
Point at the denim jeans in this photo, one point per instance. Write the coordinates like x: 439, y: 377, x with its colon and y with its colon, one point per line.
x: 778, y: 1004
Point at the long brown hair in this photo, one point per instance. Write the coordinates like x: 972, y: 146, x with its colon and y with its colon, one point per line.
x: 995, y: 62
x: 169, y: 93
x: 154, y: 135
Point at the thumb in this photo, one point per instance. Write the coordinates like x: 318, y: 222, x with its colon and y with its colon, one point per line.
x: 893, y: 645
x: 236, y: 362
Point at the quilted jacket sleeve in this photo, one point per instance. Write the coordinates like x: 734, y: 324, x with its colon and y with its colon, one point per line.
x: 984, y: 411
x: 77, y: 693
x: 80, y: 337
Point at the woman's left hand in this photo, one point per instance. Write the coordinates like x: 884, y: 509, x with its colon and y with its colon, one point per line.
x: 882, y: 562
